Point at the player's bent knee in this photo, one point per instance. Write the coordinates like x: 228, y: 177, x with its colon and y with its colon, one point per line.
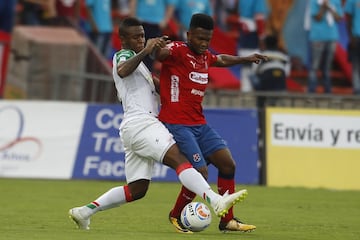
x: 139, y: 188
x: 173, y: 157
x: 139, y: 195
x: 204, y: 172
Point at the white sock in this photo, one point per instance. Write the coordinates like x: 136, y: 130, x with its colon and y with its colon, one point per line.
x: 111, y: 199
x: 196, y: 183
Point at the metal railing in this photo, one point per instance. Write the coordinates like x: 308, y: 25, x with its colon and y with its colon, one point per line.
x: 94, y: 84
x: 237, y: 99
x: 89, y: 87
x: 100, y: 88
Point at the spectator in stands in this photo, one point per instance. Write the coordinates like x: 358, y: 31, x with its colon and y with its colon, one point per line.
x: 30, y: 13
x: 121, y: 8
x: 101, y: 25
x: 323, y: 37
x: 68, y: 12
x: 49, y: 11
x: 252, y: 17
x: 37, y: 12
x: 352, y: 10
x: 7, y: 15
x: 184, y: 11
x: 222, y: 9
x: 277, y: 18
x: 271, y: 75
x: 155, y: 16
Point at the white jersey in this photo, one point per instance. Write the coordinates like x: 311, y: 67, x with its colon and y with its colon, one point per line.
x: 145, y: 138
x: 136, y: 91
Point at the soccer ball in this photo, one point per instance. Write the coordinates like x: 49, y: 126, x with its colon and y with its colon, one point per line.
x: 196, y: 216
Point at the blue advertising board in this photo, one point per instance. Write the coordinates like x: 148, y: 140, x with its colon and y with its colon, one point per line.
x: 101, y: 154
x: 238, y: 127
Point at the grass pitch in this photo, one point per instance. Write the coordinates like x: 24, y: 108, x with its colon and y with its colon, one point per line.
x: 37, y: 209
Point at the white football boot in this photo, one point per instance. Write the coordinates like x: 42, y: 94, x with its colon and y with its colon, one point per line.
x: 227, y: 201
x: 77, y: 217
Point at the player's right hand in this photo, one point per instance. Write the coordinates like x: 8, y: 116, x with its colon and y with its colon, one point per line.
x: 153, y: 44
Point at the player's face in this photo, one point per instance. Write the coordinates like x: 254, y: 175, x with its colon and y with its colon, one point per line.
x: 199, y: 39
x: 134, y: 39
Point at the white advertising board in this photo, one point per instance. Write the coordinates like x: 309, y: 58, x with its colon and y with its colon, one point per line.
x: 39, y: 139
x: 315, y: 148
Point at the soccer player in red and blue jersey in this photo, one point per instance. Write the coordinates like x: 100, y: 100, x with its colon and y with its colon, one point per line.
x: 183, y: 80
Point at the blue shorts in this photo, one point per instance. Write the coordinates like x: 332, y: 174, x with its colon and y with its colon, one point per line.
x: 196, y: 142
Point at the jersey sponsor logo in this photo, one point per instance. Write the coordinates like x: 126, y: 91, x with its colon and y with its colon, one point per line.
x: 197, y: 92
x: 197, y: 77
x: 174, y: 88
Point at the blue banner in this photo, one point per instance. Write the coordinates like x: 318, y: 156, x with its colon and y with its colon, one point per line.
x: 101, y: 154
x: 238, y: 128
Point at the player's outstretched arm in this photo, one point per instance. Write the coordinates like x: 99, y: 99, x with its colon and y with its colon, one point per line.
x: 225, y: 60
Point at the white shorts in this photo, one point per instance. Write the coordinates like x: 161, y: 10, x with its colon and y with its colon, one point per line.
x: 145, y: 140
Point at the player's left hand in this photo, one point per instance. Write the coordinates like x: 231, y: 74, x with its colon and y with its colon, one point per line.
x: 162, y: 41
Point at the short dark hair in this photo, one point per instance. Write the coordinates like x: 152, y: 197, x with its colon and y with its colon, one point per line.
x: 200, y: 20
x: 271, y: 42
x: 128, y: 22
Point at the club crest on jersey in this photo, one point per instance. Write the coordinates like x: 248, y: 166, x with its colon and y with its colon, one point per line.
x: 196, y: 157
x: 197, y: 77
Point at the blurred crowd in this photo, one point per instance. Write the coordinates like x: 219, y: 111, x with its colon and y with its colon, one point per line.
x: 256, y: 25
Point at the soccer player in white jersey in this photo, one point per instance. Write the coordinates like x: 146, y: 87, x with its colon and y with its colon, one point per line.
x: 145, y: 138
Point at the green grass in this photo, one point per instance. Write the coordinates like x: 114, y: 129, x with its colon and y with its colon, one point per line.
x: 37, y: 209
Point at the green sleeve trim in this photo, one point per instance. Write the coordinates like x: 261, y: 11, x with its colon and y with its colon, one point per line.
x: 123, y: 55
